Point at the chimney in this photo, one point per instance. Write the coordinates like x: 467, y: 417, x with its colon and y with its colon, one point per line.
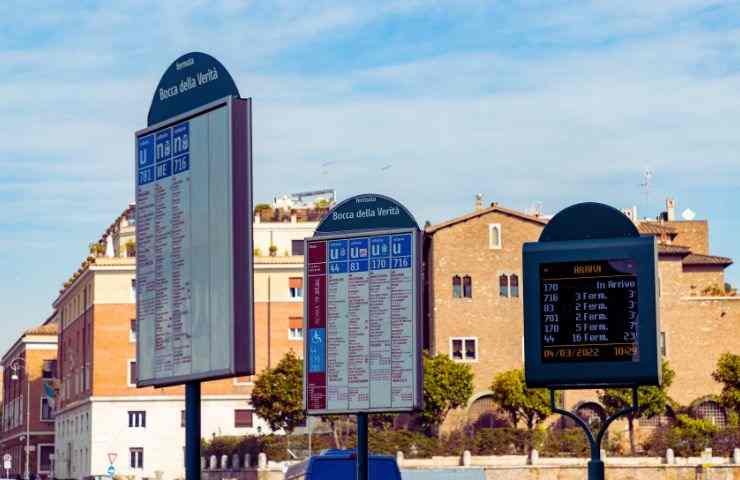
x: 478, y: 201
x: 670, y: 208
x: 631, y: 213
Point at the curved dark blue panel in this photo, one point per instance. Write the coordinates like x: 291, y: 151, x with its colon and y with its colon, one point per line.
x: 588, y: 220
x: 193, y: 80
x: 366, y: 212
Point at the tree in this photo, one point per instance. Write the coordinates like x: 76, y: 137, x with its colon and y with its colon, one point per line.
x: 728, y: 374
x: 277, y: 395
x: 447, y: 385
x: 652, y: 401
x: 510, y: 392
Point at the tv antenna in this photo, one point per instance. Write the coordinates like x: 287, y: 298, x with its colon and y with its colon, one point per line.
x: 647, y: 177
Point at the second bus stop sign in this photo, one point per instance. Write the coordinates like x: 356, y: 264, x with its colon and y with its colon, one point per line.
x: 590, y: 302
x: 363, y: 310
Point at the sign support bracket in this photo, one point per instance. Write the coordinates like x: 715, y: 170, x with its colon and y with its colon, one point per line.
x: 192, y: 430
x: 596, y: 464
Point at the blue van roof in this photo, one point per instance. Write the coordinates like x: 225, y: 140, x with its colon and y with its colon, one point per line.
x: 307, y: 466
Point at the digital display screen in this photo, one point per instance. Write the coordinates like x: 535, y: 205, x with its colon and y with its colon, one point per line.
x: 589, y: 311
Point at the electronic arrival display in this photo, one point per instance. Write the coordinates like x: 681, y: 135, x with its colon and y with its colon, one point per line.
x: 589, y: 311
x: 591, y: 316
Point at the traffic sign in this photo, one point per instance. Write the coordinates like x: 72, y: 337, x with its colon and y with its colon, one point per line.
x: 363, y: 309
x: 7, y: 461
x: 590, y: 302
x: 112, y: 456
x: 111, y: 470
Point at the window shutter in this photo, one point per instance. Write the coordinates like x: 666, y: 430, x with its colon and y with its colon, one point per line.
x: 242, y: 418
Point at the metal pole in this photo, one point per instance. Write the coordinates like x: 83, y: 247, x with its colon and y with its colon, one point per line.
x: 28, y: 421
x: 363, y: 465
x: 192, y: 431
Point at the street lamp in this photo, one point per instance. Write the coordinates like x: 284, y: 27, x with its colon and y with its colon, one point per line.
x: 14, y: 366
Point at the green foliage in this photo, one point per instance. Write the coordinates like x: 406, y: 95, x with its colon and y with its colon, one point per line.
x: 688, y: 437
x: 653, y: 400
x: 277, y: 395
x: 728, y: 374
x: 275, y: 446
x: 447, y: 385
x: 322, y: 203
x: 262, y: 206
x: 532, y: 405
x: 566, y: 442
x: 506, y: 441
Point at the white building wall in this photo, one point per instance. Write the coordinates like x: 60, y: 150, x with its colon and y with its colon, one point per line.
x: 72, y: 446
x: 281, y: 235
x: 163, y: 438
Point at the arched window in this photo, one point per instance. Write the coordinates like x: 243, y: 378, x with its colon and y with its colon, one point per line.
x: 467, y: 287
x: 456, y: 287
x: 503, y: 283
x: 494, y: 236
x: 514, y: 285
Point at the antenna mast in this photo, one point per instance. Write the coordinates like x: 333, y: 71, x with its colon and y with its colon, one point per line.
x: 647, y: 177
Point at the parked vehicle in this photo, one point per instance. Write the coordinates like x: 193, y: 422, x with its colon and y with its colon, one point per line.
x: 341, y: 464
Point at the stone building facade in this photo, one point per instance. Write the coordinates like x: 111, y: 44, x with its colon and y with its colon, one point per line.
x: 475, y: 313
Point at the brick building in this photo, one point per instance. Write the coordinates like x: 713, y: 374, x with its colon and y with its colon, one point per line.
x: 474, y: 301
x: 102, y: 413
x: 28, y: 366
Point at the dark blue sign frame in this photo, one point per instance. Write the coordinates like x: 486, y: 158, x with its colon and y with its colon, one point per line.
x: 193, y: 80
x: 592, y: 232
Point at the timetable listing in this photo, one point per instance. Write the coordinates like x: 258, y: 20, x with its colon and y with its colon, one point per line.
x: 589, y: 311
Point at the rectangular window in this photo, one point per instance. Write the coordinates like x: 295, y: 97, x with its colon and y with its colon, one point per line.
x: 133, y: 290
x: 464, y: 349
x: 133, y: 373
x: 45, y: 453
x: 295, y: 328
x: 456, y: 287
x: 467, y: 287
x: 243, y: 418
x: 136, y: 458
x: 296, y: 287
x: 514, y: 285
x: 47, y: 415
x: 182, y: 418
x: 457, y: 349
x: 49, y: 369
x: 471, y: 349
x: 503, y: 283
x: 494, y: 236
x: 296, y: 247
x: 132, y: 330
x: 663, y: 349
x: 137, y: 419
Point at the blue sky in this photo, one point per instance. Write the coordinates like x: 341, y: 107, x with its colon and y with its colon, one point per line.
x: 534, y: 101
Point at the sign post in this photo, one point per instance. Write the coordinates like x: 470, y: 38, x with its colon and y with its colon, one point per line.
x: 7, y: 464
x: 193, y: 234
x: 362, y: 315
x: 590, y: 310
